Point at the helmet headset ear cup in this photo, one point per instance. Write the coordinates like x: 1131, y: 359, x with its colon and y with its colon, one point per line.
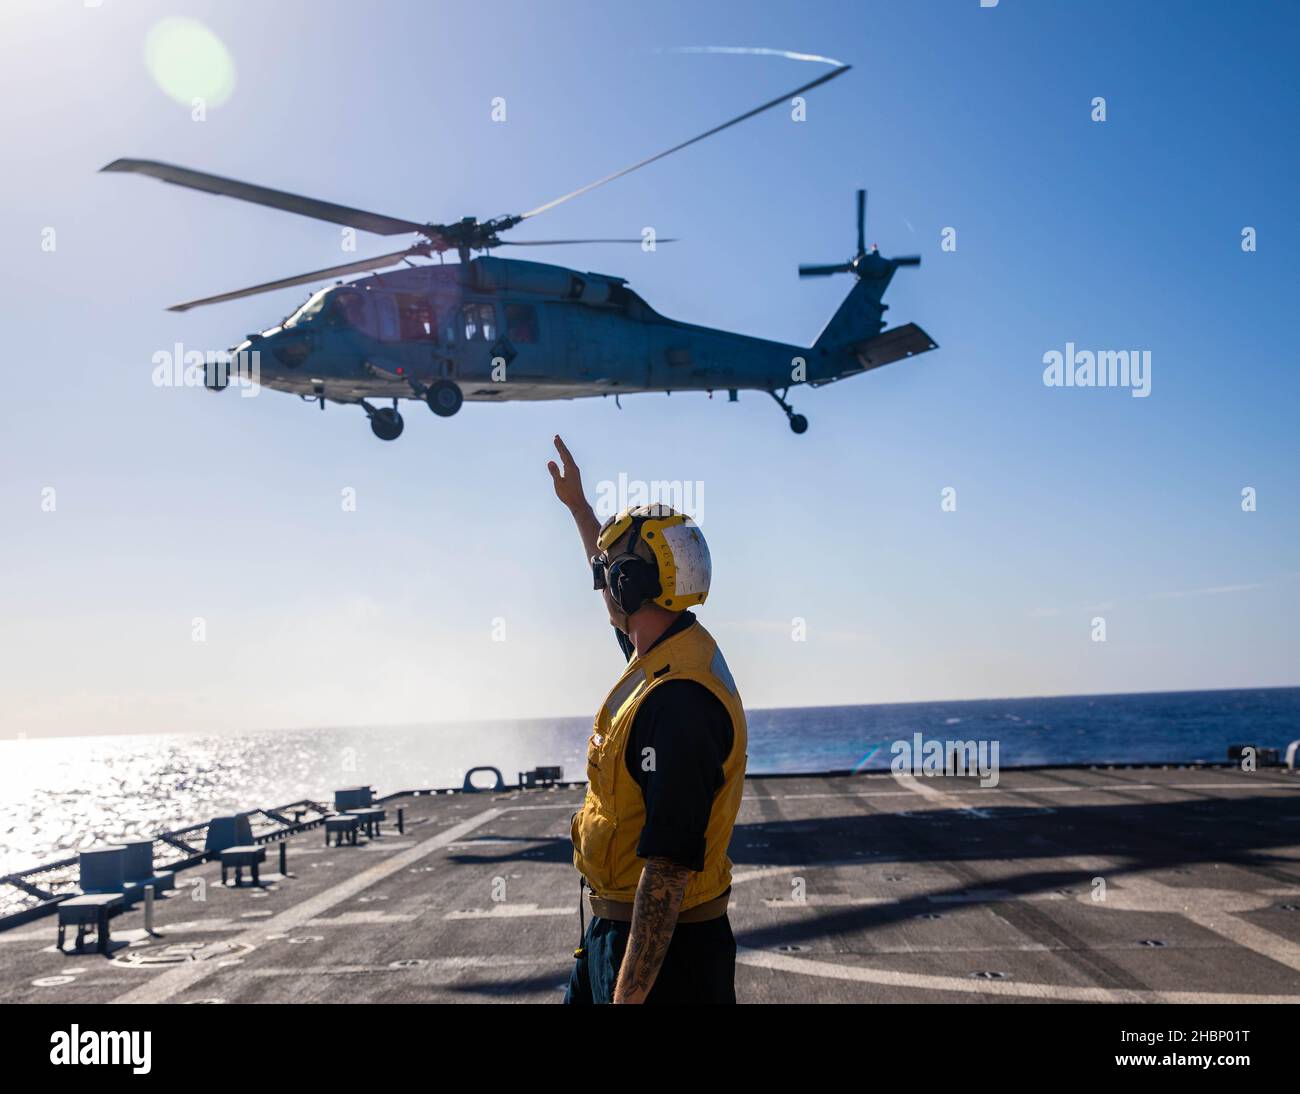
x: 622, y: 587
x: 632, y: 581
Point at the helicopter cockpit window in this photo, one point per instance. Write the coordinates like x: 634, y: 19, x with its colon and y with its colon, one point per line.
x: 309, y: 310
x: 479, y: 322
x: 349, y: 308
x: 521, y: 323
x: 416, y: 316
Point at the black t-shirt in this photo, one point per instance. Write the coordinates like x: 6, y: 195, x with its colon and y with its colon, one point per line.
x: 688, y: 734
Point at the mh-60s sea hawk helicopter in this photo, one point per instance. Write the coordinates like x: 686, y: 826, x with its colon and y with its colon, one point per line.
x: 492, y: 329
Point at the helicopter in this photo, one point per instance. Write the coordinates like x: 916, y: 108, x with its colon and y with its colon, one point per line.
x: 489, y: 329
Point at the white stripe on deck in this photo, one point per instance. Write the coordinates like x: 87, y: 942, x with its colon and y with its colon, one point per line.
x: 1209, y: 909
x: 510, y: 911
x: 845, y: 900
x: 433, y: 964
x: 1218, y: 911
x: 176, y: 980
x: 551, y: 805
x: 779, y: 962
x: 1034, y: 789
x: 942, y: 798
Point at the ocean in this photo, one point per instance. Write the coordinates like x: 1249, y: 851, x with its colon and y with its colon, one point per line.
x: 58, y: 795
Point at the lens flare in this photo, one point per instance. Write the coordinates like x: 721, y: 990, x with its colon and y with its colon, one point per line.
x: 188, y: 61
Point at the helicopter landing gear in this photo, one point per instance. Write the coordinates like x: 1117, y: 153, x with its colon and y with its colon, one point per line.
x: 798, y: 422
x: 216, y: 377
x: 444, y: 398
x: 385, y: 422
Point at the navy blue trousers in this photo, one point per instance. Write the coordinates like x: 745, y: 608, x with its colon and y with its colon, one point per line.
x: 700, y: 966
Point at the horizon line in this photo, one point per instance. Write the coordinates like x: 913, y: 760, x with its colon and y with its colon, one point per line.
x: 566, y: 717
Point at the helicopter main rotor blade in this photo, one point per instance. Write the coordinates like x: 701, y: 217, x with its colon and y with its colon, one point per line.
x: 276, y: 199
x: 361, y: 266
x: 862, y: 221
x: 678, y: 147
x: 561, y: 242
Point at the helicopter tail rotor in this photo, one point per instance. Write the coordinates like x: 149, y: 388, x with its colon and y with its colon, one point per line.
x: 825, y: 271
x: 865, y: 263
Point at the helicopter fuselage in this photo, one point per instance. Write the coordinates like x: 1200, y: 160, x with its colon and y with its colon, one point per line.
x: 504, y: 330
x: 495, y: 330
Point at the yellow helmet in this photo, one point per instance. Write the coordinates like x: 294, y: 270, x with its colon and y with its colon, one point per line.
x: 664, y: 560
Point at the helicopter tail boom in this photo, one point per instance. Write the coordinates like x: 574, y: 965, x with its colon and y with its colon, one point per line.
x: 855, y: 339
x: 859, y: 317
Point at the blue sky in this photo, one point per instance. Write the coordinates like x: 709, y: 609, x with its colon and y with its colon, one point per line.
x: 1071, y: 503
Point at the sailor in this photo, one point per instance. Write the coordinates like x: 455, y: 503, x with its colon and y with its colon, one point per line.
x: 665, y: 769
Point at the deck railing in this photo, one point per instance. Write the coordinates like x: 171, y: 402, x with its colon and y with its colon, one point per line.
x: 33, y: 892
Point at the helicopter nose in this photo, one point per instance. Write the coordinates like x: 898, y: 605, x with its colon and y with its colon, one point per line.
x: 282, y: 348
x: 238, y: 366
x: 245, y: 357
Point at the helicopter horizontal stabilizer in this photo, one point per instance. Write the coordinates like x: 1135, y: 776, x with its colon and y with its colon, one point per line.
x: 893, y: 345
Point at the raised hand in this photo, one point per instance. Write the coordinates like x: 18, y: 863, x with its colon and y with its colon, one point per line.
x: 568, y: 488
x: 568, y: 483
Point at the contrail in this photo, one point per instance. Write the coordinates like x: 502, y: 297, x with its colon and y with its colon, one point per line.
x: 755, y: 51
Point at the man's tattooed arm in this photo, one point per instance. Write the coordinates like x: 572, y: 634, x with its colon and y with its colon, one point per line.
x: 654, y: 915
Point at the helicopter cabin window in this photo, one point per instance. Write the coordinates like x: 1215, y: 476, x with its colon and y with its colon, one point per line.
x: 386, y: 309
x: 479, y: 322
x: 416, y: 318
x: 521, y: 323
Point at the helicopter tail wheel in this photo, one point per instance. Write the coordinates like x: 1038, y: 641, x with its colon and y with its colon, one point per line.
x: 444, y: 398
x: 798, y: 422
x: 386, y: 424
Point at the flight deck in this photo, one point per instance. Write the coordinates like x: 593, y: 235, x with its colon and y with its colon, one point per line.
x: 1076, y: 884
